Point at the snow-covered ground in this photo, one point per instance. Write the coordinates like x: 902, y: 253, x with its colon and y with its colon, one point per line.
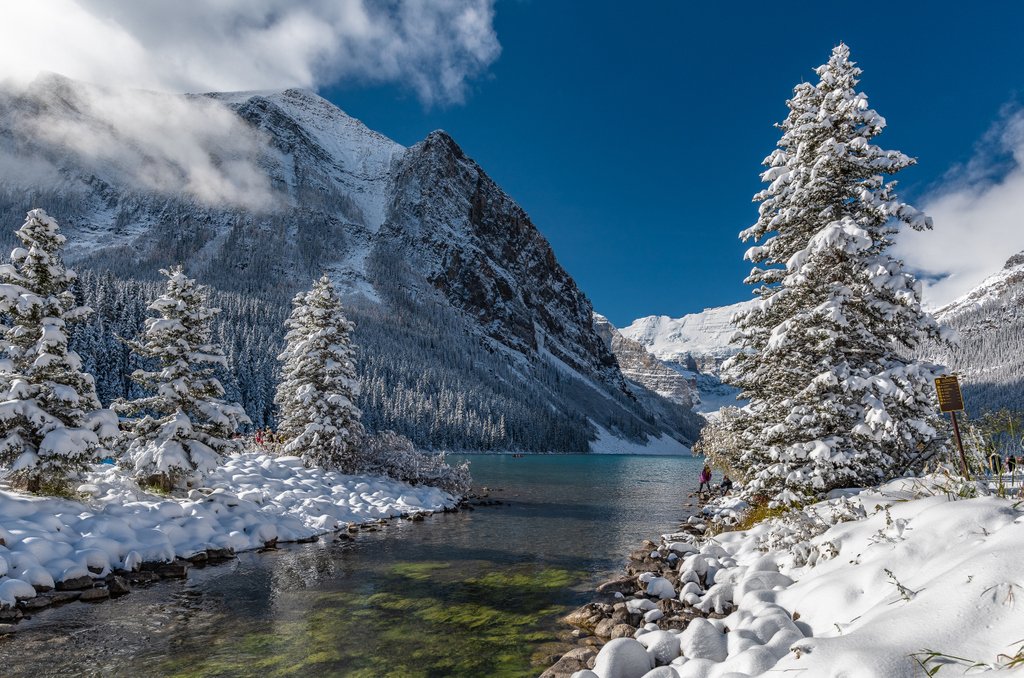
x: 889, y: 582
x: 608, y: 443
x: 252, y: 499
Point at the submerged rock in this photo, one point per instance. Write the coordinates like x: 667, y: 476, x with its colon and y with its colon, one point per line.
x: 94, y: 595
x: 571, y: 662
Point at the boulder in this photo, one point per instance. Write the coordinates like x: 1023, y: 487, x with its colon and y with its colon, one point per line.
x: 571, y: 662
x: 61, y: 597
x: 176, y: 569
x: 663, y: 646
x: 10, y: 614
x: 118, y: 586
x: 623, y: 658
x: 623, y: 585
x: 702, y: 640
x: 94, y: 595
x: 37, y: 603
x: 604, y: 628
x: 75, y: 583
x: 623, y: 631
x: 662, y: 672
x: 581, y: 617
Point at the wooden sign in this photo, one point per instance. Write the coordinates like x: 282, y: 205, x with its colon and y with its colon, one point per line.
x: 950, y: 397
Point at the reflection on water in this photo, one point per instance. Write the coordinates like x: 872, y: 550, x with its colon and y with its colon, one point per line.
x: 468, y: 594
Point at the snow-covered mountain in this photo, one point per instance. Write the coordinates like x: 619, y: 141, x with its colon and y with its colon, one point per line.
x: 990, y: 354
x: 641, y: 367
x: 694, y: 346
x: 472, y: 334
x: 695, y: 341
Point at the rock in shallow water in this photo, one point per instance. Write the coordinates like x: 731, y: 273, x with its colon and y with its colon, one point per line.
x: 94, y: 595
x: 118, y: 586
x: 572, y: 662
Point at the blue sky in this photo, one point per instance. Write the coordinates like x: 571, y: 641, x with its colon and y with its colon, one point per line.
x: 633, y: 136
x: 631, y: 133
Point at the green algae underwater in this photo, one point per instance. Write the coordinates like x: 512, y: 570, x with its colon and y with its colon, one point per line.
x: 452, y: 619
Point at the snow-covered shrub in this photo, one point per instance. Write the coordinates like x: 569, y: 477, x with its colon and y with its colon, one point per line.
x: 393, y: 455
x: 720, y: 444
x: 833, y: 399
x: 319, y: 420
x: 186, y: 425
x: 51, y: 423
x: 794, y: 530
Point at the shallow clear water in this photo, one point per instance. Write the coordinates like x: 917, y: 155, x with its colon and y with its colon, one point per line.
x: 475, y: 593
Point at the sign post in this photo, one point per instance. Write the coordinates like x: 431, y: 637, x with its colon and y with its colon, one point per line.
x: 951, y: 400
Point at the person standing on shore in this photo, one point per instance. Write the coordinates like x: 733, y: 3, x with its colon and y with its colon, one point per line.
x: 705, y: 479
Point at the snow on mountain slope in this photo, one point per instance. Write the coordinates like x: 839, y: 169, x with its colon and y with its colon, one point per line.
x: 465, y: 318
x: 695, y: 346
x: 989, y: 355
x: 704, y: 337
x: 1002, y: 292
x: 359, y: 158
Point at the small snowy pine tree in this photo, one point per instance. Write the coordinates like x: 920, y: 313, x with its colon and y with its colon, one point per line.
x: 186, y: 425
x: 51, y: 424
x: 318, y: 417
x: 834, y: 400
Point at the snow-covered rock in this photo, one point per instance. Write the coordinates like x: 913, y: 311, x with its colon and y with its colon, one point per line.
x: 623, y: 658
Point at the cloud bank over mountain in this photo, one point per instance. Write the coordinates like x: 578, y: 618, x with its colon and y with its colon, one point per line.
x: 977, y: 212
x: 433, y: 48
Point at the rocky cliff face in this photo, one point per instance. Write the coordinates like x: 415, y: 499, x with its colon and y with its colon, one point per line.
x: 460, y: 303
x: 640, y: 366
x: 479, y: 248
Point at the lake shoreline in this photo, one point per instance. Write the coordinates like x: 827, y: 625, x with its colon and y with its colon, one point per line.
x: 481, y: 588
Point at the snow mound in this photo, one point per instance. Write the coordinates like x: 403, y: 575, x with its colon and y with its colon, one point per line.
x: 870, y: 584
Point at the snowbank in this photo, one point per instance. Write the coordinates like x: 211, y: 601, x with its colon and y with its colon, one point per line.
x: 251, y: 500
x: 890, y: 582
x: 608, y: 443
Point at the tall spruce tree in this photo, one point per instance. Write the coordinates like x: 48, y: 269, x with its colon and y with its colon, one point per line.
x: 318, y: 417
x: 51, y: 424
x: 834, y: 399
x: 186, y: 425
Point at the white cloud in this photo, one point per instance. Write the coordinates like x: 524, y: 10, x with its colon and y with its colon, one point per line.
x: 165, y: 143
x: 431, y: 46
x: 978, y: 212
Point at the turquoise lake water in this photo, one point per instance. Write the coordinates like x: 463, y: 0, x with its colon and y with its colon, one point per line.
x: 473, y: 593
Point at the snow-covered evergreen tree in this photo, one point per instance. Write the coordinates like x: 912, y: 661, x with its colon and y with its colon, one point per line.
x: 318, y: 417
x: 186, y: 424
x: 834, y: 401
x: 51, y: 424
